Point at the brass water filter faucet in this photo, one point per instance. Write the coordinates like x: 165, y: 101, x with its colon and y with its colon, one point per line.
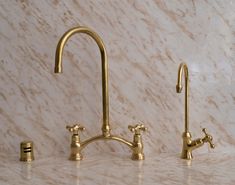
x: 188, y: 144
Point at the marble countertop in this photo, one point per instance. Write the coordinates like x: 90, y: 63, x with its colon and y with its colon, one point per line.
x: 115, y: 169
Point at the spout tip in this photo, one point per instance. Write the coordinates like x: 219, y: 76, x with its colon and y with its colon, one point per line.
x: 213, y: 146
x: 57, y: 70
x: 179, y: 88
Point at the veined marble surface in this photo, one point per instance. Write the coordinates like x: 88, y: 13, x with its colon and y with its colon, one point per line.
x: 145, y: 41
x: 111, y: 168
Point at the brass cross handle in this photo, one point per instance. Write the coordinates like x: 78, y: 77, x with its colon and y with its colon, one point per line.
x: 75, y: 128
x: 208, y: 138
x: 137, y: 128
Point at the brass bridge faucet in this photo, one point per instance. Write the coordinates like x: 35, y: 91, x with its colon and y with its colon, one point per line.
x: 188, y: 144
x: 76, y: 145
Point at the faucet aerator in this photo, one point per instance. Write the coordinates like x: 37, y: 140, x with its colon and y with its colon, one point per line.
x: 179, y: 88
x: 57, y: 70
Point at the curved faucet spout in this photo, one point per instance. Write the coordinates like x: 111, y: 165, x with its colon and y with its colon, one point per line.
x: 58, y: 68
x: 183, y: 67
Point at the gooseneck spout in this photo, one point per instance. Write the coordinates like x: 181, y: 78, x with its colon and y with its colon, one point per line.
x: 58, y: 68
x: 183, y: 68
x: 188, y: 143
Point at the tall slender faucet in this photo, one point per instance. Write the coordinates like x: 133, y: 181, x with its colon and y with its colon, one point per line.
x: 188, y: 144
x: 76, y: 144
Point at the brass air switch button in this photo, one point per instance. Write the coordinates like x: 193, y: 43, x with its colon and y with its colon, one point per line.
x: 26, y: 151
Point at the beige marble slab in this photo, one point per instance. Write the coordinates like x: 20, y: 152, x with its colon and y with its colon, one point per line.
x: 112, y: 168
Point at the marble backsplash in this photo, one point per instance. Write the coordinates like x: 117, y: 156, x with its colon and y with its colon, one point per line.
x: 145, y: 41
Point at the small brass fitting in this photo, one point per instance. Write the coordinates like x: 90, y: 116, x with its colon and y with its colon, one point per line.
x: 189, y: 145
x: 26, y: 151
x: 75, y: 142
x: 138, y: 146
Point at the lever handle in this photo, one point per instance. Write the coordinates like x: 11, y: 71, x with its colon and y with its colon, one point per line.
x: 75, y: 128
x: 137, y: 128
x: 208, y: 138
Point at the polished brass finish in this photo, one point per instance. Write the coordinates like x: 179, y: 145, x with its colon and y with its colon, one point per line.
x: 26, y: 151
x: 104, y: 64
x: 136, y: 146
x: 179, y: 87
x: 188, y: 144
x: 76, y: 144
